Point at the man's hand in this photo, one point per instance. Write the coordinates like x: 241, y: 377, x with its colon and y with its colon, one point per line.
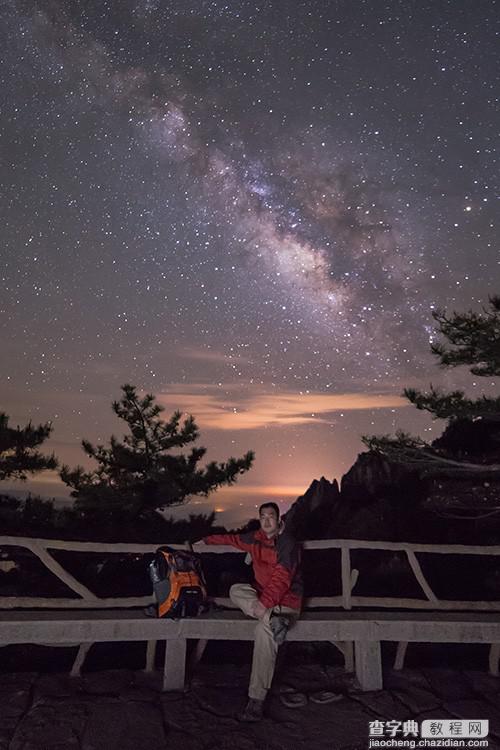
x: 259, y: 610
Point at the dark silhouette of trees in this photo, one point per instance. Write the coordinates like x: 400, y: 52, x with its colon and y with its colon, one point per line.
x: 19, y: 457
x: 147, y: 471
x: 19, y: 454
x: 471, y: 339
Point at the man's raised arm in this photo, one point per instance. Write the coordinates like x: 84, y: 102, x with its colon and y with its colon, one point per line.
x: 233, y: 540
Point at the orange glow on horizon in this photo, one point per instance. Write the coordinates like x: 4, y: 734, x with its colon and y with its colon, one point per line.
x: 265, y: 490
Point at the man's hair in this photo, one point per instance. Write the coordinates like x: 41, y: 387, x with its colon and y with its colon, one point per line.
x: 270, y: 505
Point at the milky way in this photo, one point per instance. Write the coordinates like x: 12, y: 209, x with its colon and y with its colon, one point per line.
x: 240, y: 196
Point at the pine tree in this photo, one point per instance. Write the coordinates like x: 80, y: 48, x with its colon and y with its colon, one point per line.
x: 471, y: 339
x: 19, y: 454
x: 147, y: 471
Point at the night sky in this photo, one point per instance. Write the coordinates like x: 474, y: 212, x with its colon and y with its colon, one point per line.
x: 249, y: 209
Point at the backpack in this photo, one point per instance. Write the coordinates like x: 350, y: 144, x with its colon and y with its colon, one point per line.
x: 178, y: 583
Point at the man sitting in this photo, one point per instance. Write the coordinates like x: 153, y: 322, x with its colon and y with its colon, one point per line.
x: 274, y: 600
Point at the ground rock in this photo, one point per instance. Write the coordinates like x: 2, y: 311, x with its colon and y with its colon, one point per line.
x: 383, y: 705
x: 187, y: 715
x: 185, y: 741
x: 483, y: 683
x: 149, y: 681
x: 412, y: 688
x: 50, y: 686
x: 214, y: 700
x: 476, y: 709
x: 15, y: 697
x: 118, y: 726
x: 221, y: 676
x: 50, y: 727
x: 243, y: 740
x: 405, y: 678
x: 448, y: 684
x: 109, y: 682
x: 138, y: 694
x: 323, y: 727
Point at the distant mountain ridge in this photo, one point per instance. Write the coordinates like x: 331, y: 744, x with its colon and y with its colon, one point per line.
x: 381, y: 500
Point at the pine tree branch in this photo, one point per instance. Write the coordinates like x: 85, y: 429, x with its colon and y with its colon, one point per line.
x: 453, y: 405
x: 474, y: 339
x: 19, y: 454
x: 415, y: 453
x: 457, y: 517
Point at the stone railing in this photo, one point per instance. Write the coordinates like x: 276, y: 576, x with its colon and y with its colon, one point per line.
x: 349, y: 576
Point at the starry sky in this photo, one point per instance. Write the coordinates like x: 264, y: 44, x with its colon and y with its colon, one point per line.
x: 249, y: 209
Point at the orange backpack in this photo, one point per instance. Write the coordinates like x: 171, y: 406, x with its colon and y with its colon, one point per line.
x: 178, y: 583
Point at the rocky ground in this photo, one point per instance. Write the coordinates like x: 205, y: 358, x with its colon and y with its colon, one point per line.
x: 125, y: 710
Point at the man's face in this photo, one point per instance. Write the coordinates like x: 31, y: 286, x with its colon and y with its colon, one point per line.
x: 269, y: 521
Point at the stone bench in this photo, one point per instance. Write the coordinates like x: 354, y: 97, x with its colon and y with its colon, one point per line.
x: 366, y: 630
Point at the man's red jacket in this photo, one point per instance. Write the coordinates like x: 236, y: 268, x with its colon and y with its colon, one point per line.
x: 276, y: 565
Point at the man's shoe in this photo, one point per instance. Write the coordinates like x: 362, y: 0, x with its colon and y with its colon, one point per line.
x: 254, y: 711
x: 279, y: 625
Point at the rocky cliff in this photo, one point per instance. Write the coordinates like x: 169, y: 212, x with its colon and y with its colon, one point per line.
x: 381, y: 500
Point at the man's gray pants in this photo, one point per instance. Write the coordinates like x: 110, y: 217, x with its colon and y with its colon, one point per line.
x: 265, y: 648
